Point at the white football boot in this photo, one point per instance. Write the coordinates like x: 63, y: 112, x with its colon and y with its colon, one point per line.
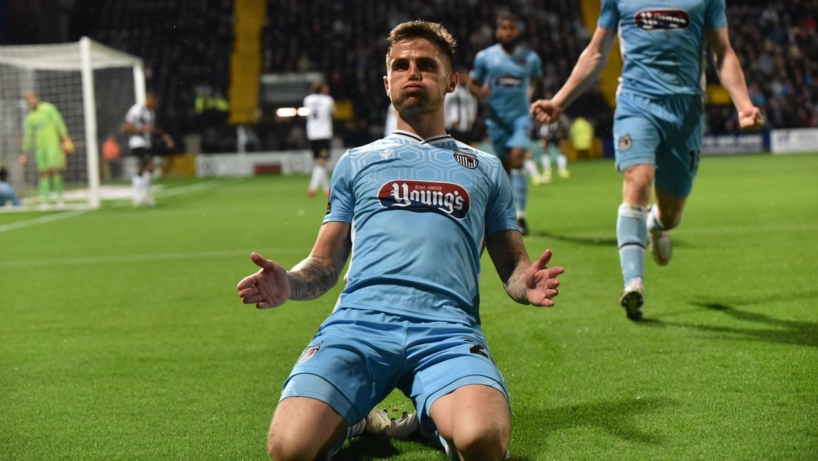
x: 378, y: 422
x: 632, y: 298
x: 660, y: 246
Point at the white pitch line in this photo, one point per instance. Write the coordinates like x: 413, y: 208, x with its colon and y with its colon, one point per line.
x: 749, y: 229
x: 186, y: 189
x: 268, y: 252
x: 56, y: 217
x: 41, y: 220
x: 175, y: 191
x: 709, y: 231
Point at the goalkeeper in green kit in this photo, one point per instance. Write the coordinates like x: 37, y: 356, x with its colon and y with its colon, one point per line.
x: 45, y: 129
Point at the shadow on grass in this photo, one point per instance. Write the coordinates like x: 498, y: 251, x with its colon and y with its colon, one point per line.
x: 594, y: 241
x: 792, y: 332
x: 366, y: 447
x: 617, y: 418
x: 382, y: 448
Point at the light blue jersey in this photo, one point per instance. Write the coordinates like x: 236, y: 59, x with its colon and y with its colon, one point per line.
x: 508, y: 76
x: 419, y: 211
x: 662, y: 42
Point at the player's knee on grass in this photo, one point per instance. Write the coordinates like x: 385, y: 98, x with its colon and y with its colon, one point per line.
x: 303, y: 429
x: 476, y: 420
x: 486, y: 440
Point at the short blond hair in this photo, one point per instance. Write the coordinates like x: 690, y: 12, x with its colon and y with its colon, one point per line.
x: 432, y: 32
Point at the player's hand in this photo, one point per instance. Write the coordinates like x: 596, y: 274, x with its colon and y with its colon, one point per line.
x: 545, y: 110
x: 541, y: 282
x: 750, y: 118
x: 23, y: 160
x: 483, y: 92
x: 68, y: 146
x: 269, y: 287
x: 168, y: 141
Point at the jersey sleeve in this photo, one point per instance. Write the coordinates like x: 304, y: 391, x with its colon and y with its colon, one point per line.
x: 500, y: 212
x: 29, y: 135
x: 609, y: 15
x: 715, y: 17
x: 341, y: 205
x: 480, y: 70
x: 56, y: 118
x: 535, y: 64
x: 132, y: 116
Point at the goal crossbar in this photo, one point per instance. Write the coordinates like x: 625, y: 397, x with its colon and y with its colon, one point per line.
x: 85, y: 57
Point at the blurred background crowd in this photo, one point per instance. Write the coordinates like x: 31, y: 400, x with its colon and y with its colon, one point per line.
x: 186, y: 45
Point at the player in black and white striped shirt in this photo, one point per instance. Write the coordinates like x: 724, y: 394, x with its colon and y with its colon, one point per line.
x: 140, y: 123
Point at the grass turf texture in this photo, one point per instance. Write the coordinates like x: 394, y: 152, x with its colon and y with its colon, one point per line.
x: 123, y: 338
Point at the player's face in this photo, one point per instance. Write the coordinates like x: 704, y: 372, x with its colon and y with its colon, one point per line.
x: 418, y: 77
x: 32, y: 100
x: 151, y: 102
x: 507, y: 32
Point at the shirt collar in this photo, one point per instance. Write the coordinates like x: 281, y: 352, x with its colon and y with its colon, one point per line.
x: 413, y: 137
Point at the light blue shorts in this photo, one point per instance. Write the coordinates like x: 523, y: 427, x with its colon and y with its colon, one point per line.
x: 359, y: 356
x: 665, y: 132
x: 504, y: 136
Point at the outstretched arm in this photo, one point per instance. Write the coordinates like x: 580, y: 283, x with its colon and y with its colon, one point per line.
x: 586, y: 71
x: 732, y: 77
x: 524, y: 281
x: 272, y: 285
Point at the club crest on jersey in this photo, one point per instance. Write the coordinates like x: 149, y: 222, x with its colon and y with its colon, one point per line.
x: 444, y: 197
x: 309, y: 353
x: 661, y: 19
x: 467, y: 159
x: 624, y: 143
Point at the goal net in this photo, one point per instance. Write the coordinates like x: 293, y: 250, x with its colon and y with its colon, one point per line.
x: 92, y: 86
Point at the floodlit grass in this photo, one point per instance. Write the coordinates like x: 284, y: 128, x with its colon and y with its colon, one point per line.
x: 123, y: 338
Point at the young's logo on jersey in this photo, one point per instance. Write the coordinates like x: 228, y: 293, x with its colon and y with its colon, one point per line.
x: 624, y: 143
x: 448, y: 198
x: 309, y: 353
x: 467, y: 159
x: 509, y: 81
x: 661, y: 19
x: 329, y: 207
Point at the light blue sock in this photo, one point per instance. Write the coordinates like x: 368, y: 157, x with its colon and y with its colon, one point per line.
x: 632, y: 236
x: 519, y: 186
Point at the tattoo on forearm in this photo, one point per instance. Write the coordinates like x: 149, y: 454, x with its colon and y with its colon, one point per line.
x: 311, y: 278
x: 508, y: 254
x: 515, y: 286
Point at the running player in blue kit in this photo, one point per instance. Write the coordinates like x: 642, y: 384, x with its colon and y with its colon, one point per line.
x: 502, y: 74
x: 414, y: 210
x: 659, y: 119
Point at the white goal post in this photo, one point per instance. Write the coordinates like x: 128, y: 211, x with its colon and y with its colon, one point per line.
x: 92, y: 86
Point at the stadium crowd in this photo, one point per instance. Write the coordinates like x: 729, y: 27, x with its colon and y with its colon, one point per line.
x: 778, y: 47
x: 186, y: 46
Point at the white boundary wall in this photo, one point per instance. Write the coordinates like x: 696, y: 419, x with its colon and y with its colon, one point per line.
x: 291, y: 162
x: 799, y: 140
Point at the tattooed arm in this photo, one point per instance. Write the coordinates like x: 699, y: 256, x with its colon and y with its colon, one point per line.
x: 524, y: 281
x: 272, y: 285
x: 318, y: 273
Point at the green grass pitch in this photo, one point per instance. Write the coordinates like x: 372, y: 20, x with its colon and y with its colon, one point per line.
x: 122, y: 337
